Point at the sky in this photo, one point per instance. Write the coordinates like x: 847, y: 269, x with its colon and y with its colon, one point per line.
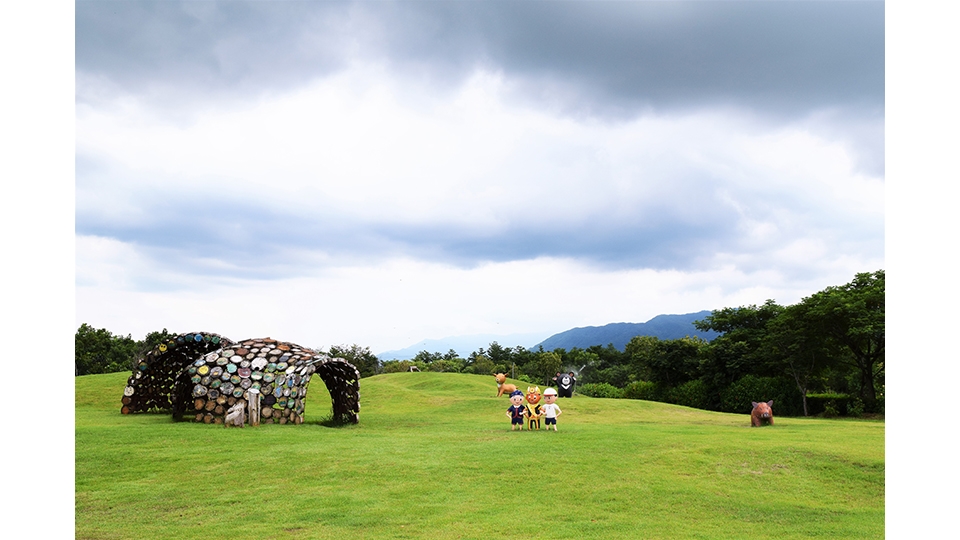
x: 382, y: 173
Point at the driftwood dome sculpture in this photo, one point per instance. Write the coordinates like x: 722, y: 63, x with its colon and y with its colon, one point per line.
x: 201, y: 375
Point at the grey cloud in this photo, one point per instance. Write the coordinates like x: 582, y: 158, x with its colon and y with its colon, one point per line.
x: 606, y: 59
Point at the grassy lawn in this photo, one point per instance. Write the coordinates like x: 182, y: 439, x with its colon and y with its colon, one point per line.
x: 434, y: 457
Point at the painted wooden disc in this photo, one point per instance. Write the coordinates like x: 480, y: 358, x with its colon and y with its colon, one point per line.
x: 216, y: 371
x: 244, y: 372
x: 241, y: 351
x: 199, y: 390
x: 226, y: 388
x: 278, y: 391
x: 236, y: 359
x: 271, y: 367
x: 245, y: 383
x: 192, y: 370
x: 162, y: 347
x: 195, y: 379
x: 235, y: 379
x: 245, y: 364
x: 203, y: 370
x: 237, y: 392
x: 256, y: 375
x: 206, y: 380
x: 198, y: 338
x: 258, y: 363
x: 128, y: 391
x: 215, y: 383
x: 213, y: 394
x: 268, y: 377
x: 232, y: 368
x: 200, y: 362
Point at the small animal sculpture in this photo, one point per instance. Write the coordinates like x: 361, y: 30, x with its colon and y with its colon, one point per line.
x: 534, y: 411
x: 762, y: 414
x: 504, y: 388
x: 236, y: 415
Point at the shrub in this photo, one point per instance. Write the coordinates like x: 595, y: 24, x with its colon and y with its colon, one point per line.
x: 690, y: 394
x: 642, y: 390
x: 600, y: 390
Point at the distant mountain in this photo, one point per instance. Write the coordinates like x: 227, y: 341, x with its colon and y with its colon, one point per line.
x: 464, y: 345
x: 661, y: 326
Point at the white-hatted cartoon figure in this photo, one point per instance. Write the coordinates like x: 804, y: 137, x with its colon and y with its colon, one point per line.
x: 515, y: 410
x: 550, y: 409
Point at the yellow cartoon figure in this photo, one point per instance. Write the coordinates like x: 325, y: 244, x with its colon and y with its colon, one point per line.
x: 533, y: 411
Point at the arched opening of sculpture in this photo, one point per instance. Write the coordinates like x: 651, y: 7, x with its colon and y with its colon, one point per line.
x: 199, y: 376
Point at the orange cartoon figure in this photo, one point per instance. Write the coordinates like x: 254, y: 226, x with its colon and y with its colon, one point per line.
x: 533, y: 412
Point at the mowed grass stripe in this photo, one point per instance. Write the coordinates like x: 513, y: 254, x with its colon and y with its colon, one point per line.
x: 434, y: 457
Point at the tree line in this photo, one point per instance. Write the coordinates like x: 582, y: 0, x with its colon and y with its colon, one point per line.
x: 823, y: 355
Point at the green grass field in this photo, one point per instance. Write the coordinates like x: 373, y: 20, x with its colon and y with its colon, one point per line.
x: 434, y: 457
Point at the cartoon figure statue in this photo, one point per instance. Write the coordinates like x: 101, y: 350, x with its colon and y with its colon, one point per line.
x: 566, y: 381
x: 516, y: 410
x: 550, y: 409
x: 533, y: 412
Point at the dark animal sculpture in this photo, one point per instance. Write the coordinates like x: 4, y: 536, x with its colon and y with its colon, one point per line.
x: 762, y: 414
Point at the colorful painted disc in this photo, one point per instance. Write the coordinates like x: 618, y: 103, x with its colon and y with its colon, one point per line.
x: 245, y: 364
x: 200, y: 362
x: 271, y: 367
x: 128, y: 391
x: 278, y: 392
x: 244, y: 372
x: 226, y: 388
x: 237, y: 392
x: 199, y: 390
x: 281, y: 366
x: 198, y: 338
x: 235, y: 379
x: 245, y: 383
x: 195, y: 379
x: 162, y: 347
x: 256, y: 375
x: 232, y: 368
x: 203, y: 370
x: 215, y: 339
x: 222, y: 361
x: 216, y: 372
x: 215, y: 383
x: 213, y: 394
x: 268, y: 377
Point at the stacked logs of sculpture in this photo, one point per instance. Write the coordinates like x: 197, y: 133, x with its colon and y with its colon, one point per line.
x: 201, y: 375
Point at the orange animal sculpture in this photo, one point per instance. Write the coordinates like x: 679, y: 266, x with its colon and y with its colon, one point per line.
x: 762, y: 413
x: 534, y: 411
x: 504, y: 388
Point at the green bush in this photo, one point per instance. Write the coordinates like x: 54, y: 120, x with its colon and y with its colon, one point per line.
x: 642, y: 390
x: 690, y: 394
x: 600, y: 390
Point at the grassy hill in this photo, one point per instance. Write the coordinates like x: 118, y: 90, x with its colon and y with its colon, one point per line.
x: 434, y: 457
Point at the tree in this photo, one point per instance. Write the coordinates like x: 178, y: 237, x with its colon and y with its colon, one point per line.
x: 362, y: 358
x: 853, y: 316
x: 794, y: 342
x: 738, y: 351
x: 99, y: 351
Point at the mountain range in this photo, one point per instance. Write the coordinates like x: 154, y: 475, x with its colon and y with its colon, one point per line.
x: 661, y: 326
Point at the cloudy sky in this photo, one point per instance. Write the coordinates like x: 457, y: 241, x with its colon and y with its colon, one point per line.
x: 385, y: 172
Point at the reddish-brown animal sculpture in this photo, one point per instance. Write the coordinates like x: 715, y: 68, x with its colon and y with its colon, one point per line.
x: 762, y: 414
